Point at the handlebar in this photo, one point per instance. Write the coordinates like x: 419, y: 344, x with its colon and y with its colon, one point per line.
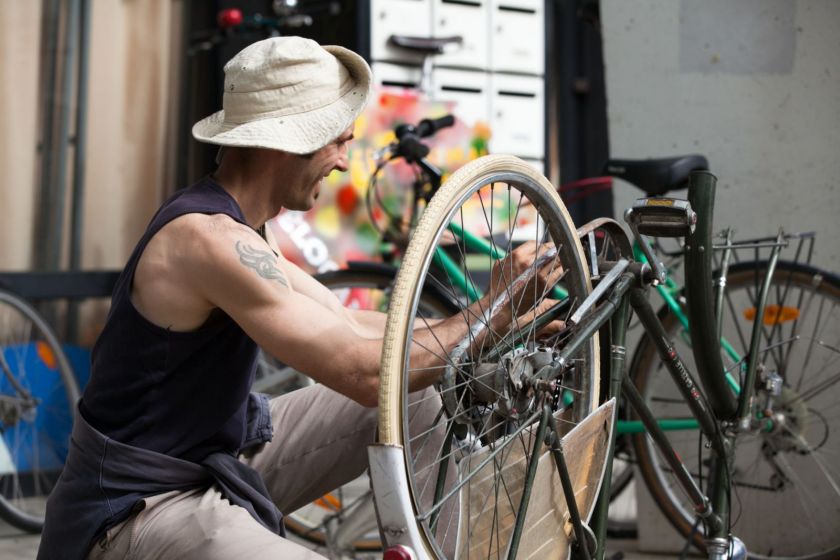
x: 408, y: 144
x: 428, y: 127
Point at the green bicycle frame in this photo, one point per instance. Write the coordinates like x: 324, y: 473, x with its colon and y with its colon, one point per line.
x: 668, y: 291
x: 724, y: 401
x: 479, y: 245
x: 721, y: 411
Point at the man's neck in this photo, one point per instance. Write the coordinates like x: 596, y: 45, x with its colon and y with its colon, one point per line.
x: 251, y: 182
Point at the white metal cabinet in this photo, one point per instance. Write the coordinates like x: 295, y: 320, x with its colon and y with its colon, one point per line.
x: 517, y: 36
x: 399, y: 75
x: 517, y: 115
x: 471, y: 20
x: 397, y: 17
x: 497, y: 75
x: 469, y: 90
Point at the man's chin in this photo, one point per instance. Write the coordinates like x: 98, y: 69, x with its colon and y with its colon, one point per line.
x: 303, y: 206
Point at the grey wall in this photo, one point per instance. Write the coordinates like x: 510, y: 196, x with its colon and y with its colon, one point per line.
x: 752, y: 84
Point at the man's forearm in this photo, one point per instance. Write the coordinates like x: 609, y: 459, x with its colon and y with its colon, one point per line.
x: 435, y: 339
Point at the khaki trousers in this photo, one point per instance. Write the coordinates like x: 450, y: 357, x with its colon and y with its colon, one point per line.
x: 320, y: 442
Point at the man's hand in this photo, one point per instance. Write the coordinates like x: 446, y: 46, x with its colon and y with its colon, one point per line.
x: 554, y: 327
x: 524, y: 295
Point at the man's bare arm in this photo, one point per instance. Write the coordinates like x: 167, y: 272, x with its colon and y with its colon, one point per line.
x: 262, y: 260
x: 238, y: 273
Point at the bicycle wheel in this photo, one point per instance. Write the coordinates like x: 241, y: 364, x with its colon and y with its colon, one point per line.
x: 341, y: 521
x: 785, y: 497
x: 38, y: 393
x: 467, y: 442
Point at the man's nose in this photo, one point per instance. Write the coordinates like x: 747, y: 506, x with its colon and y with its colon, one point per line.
x: 342, y: 164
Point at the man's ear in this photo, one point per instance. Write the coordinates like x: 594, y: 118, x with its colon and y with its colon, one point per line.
x: 219, y: 155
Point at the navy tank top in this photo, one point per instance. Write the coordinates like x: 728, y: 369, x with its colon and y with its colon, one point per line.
x: 183, y: 394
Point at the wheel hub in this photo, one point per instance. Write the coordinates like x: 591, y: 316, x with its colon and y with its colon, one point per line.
x: 507, y: 388
x: 788, y: 417
x: 13, y: 410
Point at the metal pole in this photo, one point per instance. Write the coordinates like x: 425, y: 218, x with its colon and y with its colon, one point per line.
x: 676, y: 368
x: 78, y: 189
x: 582, y: 548
x: 529, y: 483
x: 77, y: 217
x: 41, y: 230
x: 59, y: 188
x: 744, y: 400
x: 705, y: 344
x: 701, y: 503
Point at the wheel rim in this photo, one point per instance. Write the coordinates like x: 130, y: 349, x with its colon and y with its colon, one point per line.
x: 37, y: 395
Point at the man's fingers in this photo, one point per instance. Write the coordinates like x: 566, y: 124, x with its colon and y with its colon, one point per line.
x: 554, y: 327
x: 551, y: 273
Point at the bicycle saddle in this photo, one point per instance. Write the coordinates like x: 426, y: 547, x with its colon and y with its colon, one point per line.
x: 425, y: 45
x: 656, y: 176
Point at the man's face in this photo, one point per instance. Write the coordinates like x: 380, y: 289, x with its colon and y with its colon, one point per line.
x: 313, y: 168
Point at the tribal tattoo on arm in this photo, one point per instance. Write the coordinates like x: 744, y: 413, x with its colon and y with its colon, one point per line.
x: 263, y: 262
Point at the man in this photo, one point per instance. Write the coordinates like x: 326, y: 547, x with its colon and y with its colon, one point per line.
x: 170, y: 455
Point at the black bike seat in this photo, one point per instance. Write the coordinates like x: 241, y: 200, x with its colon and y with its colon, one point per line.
x: 425, y: 45
x: 657, y: 176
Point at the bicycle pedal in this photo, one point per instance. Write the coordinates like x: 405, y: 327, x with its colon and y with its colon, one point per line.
x: 662, y: 217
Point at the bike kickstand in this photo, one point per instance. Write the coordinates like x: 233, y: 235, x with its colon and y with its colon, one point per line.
x: 582, y: 549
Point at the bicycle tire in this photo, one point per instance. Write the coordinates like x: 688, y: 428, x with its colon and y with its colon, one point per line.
x: 367, y: 284
x: 34, y: 434
x: 403, y: 420
x: 796, y: 289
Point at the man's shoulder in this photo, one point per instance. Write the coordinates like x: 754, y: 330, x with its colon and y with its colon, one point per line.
x: 201, y: 242
x: 202, y: 228
x: 196, y: 253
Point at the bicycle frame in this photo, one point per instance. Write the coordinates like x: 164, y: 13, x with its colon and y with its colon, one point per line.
x: 669, y: 290
x: 721, y: 410
x: 719, y: 413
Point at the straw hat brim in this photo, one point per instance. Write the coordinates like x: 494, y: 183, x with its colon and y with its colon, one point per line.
x: 299, y: 133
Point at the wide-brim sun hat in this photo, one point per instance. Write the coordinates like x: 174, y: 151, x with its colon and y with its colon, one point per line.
x: 289, y: 94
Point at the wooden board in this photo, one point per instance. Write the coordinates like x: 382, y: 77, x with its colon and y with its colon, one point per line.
x: 487, y: 518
